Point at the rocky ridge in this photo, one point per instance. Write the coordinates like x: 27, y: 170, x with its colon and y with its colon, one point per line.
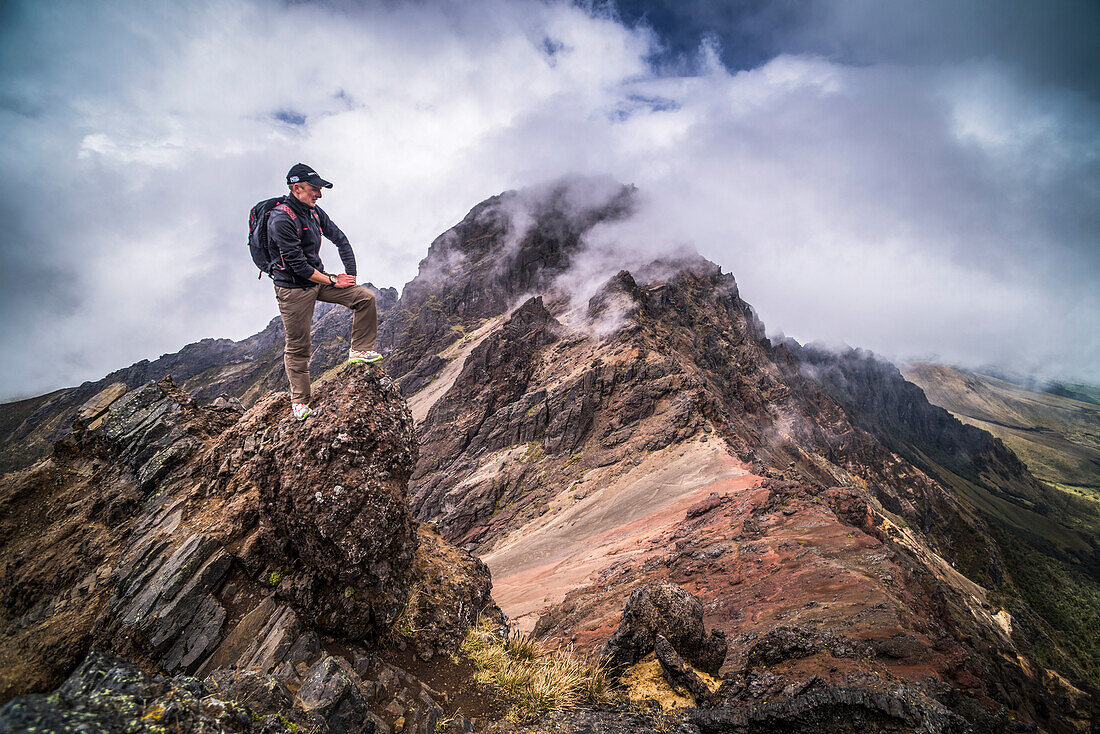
x: 255, y: 558
x: 823, y: 489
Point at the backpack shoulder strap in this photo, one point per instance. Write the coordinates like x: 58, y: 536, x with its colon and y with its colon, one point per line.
x: 287, y: 209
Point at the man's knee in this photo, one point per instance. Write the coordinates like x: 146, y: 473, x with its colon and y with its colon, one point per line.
x: 363, y: 299
x: 296, y: 348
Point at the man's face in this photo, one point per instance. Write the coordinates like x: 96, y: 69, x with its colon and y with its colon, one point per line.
x: 306, y: 193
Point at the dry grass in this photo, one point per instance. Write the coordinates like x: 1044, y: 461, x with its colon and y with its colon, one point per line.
x: 405, y: 624
x: 534, y: 680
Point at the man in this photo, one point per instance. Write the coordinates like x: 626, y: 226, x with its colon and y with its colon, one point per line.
x: 294, y: 230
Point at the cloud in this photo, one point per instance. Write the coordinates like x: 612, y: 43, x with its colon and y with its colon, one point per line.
x: 1050, y: 43
x: 926, y: 202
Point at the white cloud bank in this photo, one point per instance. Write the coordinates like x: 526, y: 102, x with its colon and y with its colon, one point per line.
x: 916, y: 210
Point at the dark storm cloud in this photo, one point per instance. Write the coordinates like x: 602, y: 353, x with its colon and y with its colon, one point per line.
x: 289, y: 117
x: 748, y: 31
x: 1054, y: 41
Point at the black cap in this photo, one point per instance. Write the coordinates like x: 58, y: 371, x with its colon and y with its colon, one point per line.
x: 301, y: 173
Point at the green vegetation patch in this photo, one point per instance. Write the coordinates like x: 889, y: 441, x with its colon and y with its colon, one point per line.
x: 1066, y: 597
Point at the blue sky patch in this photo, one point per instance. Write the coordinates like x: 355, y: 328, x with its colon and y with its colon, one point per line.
x: 289, y: 117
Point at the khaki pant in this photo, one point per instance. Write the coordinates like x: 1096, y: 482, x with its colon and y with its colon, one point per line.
x: 296, y: 308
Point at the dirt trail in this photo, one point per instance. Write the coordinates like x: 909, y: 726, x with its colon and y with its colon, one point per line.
x: 537, y: 564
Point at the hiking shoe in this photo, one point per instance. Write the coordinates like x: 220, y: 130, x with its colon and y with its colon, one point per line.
x: 300, y: 410
x: 355, y: 356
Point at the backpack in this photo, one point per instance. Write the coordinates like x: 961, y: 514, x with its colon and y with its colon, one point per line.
x: 257, y: 234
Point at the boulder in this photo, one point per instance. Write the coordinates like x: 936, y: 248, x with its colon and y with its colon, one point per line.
x: 334, y: 500
x: 98, y: 404
x: 263, y: 694
x: 663, y: 608
x: 679, y: 673
x: 333, y: 691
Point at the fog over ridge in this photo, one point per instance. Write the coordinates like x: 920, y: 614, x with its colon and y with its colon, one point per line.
x: 929, y: 202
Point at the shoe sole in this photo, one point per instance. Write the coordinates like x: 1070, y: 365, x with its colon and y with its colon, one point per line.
x: 361, y: 360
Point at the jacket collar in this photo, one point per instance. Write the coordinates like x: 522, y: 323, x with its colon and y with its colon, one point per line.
x: 297, y: 206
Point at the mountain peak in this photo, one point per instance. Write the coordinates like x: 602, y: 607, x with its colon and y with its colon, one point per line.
x: 508, y: 247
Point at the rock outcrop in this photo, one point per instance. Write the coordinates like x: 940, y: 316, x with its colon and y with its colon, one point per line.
x: 335, y: 501
x: 106, y: 694
x: 510, y: 245
x: 664, y: 611
x: 268, y: 564
x: 450, y: 589
x: 206, y: 369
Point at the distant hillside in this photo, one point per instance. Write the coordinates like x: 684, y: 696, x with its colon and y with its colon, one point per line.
x: 1077, y: 391
x: 1056, y: 435
x: 247, y: 370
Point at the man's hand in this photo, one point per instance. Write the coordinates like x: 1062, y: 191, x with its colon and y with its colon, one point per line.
x: 343, y: 280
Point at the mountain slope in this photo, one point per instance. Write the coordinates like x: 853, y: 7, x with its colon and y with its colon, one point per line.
x: 581, y: 460
x: 1057, y: 436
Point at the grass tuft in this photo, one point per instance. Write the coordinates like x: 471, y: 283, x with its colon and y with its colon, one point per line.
x: 405, y: 624
x: 534, y: 680
x: 523, y: 647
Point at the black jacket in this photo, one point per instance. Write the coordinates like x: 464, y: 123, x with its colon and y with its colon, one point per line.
x: 294, y: 240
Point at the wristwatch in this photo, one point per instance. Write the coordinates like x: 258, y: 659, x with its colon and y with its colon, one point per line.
x: 331, y: 279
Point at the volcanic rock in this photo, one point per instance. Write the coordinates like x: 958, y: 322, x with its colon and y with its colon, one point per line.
x: 247, y: 546
x: 450, y: 588
x: 168, y: 602
x: 98, y: 405
x: 850, y: 710
x: 510, y: 245
x: 106, y: 694
x: 679, y: 673
x: 334, y: 691
x: 336, y: 499
x: 667, y: 610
